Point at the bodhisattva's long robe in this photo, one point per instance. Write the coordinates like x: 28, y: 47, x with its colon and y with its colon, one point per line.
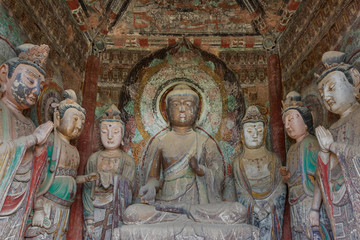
x: 57, y: 191
x: 302, y: 161
x: 340, y: 184
x: 20, y: 171
x: 108, y: 199
x: 260, y: 186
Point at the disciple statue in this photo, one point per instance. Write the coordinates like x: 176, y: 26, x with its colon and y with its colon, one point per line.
x: 58, y: 188
x: 258, y: 182
x: 184, y: 178
x: 339, y: 158
x: 22, y: 147
x: 106, y: 200
x: 300, y: 171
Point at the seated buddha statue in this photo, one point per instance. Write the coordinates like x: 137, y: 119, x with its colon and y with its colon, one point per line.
x: 184, y: 180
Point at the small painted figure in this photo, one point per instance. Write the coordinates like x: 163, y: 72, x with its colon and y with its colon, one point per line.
x: 258, y: 182
x: 106, y: 200
x: 300, y: 171
x: 339, y: 158
x: 58, y: 188
x: 22, y: 147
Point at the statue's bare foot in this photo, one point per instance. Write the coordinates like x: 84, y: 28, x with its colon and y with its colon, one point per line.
x: 171, y: 207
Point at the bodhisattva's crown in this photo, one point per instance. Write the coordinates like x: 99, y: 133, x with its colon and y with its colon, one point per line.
x: 292, y: 100
x: 111, y: 115
x: 253, y: 115
x: 34, y: 54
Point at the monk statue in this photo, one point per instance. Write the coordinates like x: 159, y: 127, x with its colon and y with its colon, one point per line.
x: 106, y: 200
x: 339, y: 158
x: 58, y: 187
x: 22, y: 147
x: 258, y: 182
x: 300, y: 171
x: 184, y: 182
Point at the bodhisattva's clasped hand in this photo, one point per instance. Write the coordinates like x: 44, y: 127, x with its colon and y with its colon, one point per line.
x: 285, y: 174
x: 324, y: 137
x: 314, y: 216
x: 42, y: 132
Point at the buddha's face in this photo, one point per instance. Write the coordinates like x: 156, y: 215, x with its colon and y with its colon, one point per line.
x: 72, y: 123
x: 294, y: 124
x: 24, y: 86
x: 111, y: 134
x: 182, y: 110
x: 336, y: 92
x: 253, y: 134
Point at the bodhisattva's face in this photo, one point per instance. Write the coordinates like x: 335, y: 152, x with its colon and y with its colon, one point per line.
x: 24, y: 86
x: 72, y: 123
x: 182, y: 111
x: 336, y: 92
x: 294, y: 124
x: 111, y: 134
x: 253, y: 134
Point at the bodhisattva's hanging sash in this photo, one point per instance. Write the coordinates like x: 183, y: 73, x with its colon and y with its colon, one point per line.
x: 11, y: 153
x: 55, y: 151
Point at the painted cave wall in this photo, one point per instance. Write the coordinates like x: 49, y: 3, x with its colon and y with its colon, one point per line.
x: 45, y: 22
x: 330, y: 25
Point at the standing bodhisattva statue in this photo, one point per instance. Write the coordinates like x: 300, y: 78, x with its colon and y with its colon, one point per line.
x: 106, y: 200
x: 300, y: 172
x: 22, y: 147
x: 258, y: 182
x: 339, y: 158
x: 58, y: 187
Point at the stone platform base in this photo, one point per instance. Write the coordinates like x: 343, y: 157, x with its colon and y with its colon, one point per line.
x: 186, y: 230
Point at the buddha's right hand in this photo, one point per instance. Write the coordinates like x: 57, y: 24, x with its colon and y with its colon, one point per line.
x: 147, y: 193
x: 42, y: 132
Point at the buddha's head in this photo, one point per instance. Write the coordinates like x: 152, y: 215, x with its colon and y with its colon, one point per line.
x: 112, y: 129
x: 21, y: 77
x: 69, y: 116
x: 297, y: 118
x: 339, y: 84
x: 253, y: 128
x: 182, y: 105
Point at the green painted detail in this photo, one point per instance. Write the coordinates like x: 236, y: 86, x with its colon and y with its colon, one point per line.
x: 137, y: 138
x: 227, y: 150
x: 231, y: 103
x: 155, y: 62
x: 9, y: 29
x: 99, y: 111
x: 210, y: 64
x: 129, y: 108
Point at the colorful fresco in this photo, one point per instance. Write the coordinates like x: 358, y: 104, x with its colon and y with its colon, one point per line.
x: 143, y: 93
x: 9, y: 29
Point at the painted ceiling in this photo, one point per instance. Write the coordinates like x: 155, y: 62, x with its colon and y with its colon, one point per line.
x: 219, y: 23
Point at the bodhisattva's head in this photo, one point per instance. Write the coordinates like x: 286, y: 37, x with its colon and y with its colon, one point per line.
x: 339, y: 84
x: 182, y: 105
x: 253, y: 128
x: 21, y: 78
x: 112, y: 129
x: 297, y: 118
x: 70, y: 117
